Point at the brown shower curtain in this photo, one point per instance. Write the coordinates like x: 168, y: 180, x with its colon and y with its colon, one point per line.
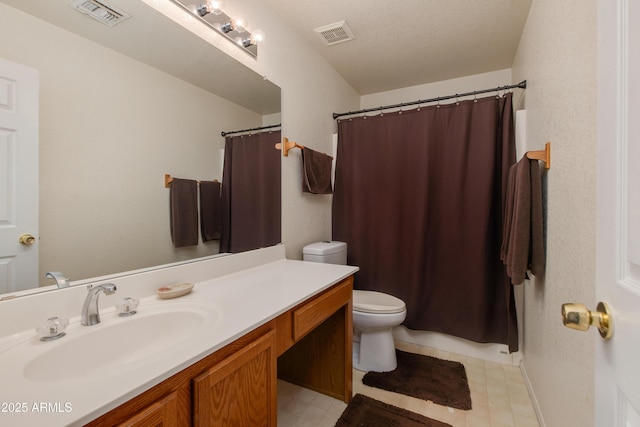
x: 419, y: 200
x: 251, y: 203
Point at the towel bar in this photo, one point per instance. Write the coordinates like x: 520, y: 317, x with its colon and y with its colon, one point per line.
x: 287, y: 145
x: 168, y: 179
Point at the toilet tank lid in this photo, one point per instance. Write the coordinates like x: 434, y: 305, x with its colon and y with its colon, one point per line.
x: 324, y: 248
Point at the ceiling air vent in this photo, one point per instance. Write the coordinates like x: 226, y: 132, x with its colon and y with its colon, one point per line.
x: 335, y: 33
x: 100, y: 11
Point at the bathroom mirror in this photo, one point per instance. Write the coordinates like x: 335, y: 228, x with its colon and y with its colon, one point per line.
x: 120, y: 107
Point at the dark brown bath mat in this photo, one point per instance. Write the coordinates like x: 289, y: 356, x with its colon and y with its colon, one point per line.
x: 364, y: 411
x: 442, y: 381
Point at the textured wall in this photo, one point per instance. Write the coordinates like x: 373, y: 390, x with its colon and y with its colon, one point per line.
x: 311, y: 91
x: 557, y: 56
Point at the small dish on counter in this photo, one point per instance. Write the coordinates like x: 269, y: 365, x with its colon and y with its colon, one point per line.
x: 174, y: 291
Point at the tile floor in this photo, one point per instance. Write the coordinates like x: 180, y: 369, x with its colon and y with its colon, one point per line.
x: 498, y: 394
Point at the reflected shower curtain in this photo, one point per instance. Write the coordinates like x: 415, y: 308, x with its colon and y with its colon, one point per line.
x: 251, y: 202
x: 419, y: 201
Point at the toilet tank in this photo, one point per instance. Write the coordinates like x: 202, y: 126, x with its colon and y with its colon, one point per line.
x: 329, y: 252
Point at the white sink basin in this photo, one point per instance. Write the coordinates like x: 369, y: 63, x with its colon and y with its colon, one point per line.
x: 118, y: 344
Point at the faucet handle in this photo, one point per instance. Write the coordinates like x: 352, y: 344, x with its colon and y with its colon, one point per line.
x: 127, y: 306
x: 52, y: 329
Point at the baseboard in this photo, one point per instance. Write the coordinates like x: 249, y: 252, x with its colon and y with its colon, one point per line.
x: 534, y: 400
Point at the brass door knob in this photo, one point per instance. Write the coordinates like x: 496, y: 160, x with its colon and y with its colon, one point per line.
x: 27, y: 239
x: 577, y: 316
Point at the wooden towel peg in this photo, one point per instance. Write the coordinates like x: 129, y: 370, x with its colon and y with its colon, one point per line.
x: 544, y: 155
x: 287, y: 145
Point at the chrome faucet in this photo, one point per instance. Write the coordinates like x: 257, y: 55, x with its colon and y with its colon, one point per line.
x: 90, y: 313
x: 60, y: 279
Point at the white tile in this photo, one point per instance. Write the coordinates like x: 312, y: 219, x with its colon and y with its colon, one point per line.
x: 313, y: 414
x: 322, y: 401
x: 499, y: 398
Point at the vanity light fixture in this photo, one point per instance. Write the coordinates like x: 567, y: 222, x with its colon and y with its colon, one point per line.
x: 207, y: 7
x: 229, y: 26
x: 210, y: 13
x: 253, y: 39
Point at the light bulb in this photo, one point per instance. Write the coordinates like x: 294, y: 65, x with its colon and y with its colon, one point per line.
x: 216, y: 7
x: 258, y: 35
x: 241, y: 24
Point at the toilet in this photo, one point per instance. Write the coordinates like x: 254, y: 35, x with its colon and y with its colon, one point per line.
x: 374, y: 314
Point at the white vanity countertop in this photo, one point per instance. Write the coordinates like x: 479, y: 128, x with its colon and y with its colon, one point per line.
x: 245, y: 300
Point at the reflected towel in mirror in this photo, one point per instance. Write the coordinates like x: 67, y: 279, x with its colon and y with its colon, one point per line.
x: 210, y: 210
x: 183, y: 201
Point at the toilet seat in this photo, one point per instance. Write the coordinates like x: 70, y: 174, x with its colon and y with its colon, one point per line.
x: 377, y: 302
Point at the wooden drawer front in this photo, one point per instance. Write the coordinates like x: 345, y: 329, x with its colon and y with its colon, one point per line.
x: 311, y: 314
x: 162, y: 414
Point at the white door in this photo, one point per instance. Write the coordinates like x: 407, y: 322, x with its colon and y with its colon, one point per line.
x: 618, y: 231
x: 19, y: 88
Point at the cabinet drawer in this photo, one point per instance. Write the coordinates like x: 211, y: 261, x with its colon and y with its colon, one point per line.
x: 162, y: 413
x: 311, y: 314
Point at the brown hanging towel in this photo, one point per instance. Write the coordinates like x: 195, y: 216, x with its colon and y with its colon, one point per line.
x: 210, y: 210
x: 523, y: 241
x: 316, y: 172
x: 183, y: 201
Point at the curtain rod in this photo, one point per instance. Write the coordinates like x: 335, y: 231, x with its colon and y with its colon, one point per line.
x: 223, y: 133
x: 521, y: 85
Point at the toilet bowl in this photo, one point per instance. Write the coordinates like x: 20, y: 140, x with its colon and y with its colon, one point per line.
x: 374, y: 316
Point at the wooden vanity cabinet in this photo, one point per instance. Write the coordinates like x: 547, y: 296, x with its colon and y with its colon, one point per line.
x: 309, y: 345
x: 315, y: 342
x: 229, y: 372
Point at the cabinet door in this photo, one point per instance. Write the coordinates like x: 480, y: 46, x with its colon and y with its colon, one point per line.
x: 163, y: 413
x: 241, y: 390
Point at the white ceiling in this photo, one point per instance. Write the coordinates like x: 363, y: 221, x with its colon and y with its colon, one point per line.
x: 404, y: 43
x: 398, y: 43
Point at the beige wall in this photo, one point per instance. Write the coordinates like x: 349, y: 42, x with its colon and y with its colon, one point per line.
x: 442, y: 88
x: 311, y: 91
x: 557, y: 56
